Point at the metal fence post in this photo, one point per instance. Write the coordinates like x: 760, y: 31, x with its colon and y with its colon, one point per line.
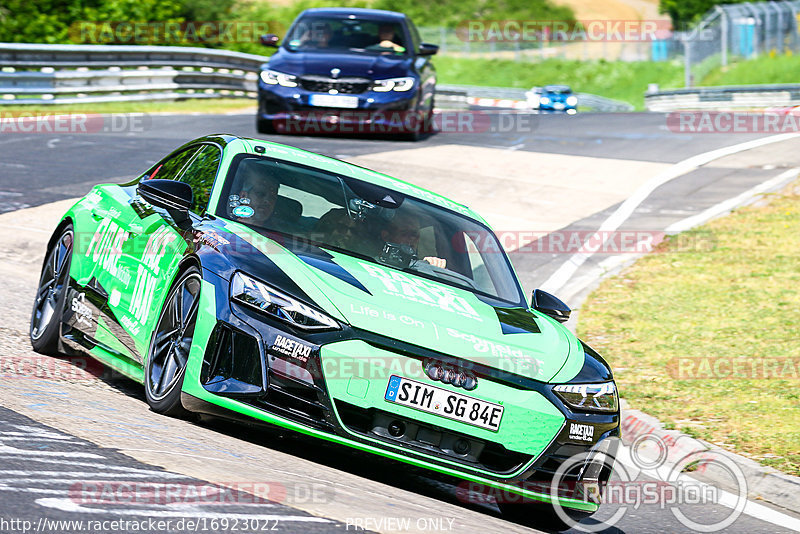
x: 687, y: 62
x: 724, y: 35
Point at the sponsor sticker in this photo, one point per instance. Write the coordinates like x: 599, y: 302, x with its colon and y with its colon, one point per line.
x: 83, y: 313
x: 243, y: 211
x: 291, y: 348
x: 581, y: 432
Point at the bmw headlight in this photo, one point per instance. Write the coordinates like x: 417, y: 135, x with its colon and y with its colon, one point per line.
x: 544, y: 100
x: 393, y: 84
x: 589, y: 397
x: 572, y: 100
x: 279, y: 305
x: 273, y: 77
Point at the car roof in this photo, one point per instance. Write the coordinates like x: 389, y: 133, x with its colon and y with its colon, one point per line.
x: 376, y: 14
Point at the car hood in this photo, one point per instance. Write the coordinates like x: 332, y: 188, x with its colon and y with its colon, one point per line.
x: 420, y: 311
x: 350, y: 64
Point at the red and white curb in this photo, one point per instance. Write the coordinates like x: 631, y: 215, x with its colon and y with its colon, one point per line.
x: 498, y: 103
x: 644, y: 431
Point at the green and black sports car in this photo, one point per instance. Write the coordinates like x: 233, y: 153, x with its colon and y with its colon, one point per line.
x: 243, y: 278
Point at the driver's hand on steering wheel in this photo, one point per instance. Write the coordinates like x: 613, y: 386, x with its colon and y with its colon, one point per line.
x: 436, y: 262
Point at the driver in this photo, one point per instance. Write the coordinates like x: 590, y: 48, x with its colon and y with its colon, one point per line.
x: 404, y: 229
x: 386, y: 37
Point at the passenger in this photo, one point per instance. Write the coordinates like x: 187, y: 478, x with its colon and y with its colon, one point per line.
x: 317, y: 36
x: 338, y: 229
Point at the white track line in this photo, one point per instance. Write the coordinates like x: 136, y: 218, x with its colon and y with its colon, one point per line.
x: 612, y: 262
x: 562, y: 275
x: 731, y: 203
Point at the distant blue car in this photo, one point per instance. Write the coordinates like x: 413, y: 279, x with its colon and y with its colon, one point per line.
x: 558, y: 98
x: 360, y: 70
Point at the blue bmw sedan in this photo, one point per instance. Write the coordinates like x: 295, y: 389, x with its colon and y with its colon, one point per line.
x: 348, y: 70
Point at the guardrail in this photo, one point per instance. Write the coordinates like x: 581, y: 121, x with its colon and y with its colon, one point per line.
x: 601, y: 103
x: 724, y: 98
x: 586, y: 101
x: 64, y: 74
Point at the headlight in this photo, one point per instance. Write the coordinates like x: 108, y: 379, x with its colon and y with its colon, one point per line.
x: 269, y: 300
x: 393, y: 84
x: 589, y: 397
x: 572, y: 100
x: 273, y: 77
x: 544, y: 100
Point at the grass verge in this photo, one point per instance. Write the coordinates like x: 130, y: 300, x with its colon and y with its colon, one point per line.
x: 626, y: 81
x: 684, y: 331
x: 766, y: 69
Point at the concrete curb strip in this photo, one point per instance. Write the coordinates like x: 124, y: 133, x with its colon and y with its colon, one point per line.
x: 763, y: 483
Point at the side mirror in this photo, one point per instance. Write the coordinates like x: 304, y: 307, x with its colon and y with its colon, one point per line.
x: 175, y: 197
x: 550, y: 305
x: 270, y: 39
x: 427, y: 49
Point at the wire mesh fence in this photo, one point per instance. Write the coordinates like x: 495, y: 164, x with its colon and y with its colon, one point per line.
x: 569, y: 45
x: 732, y: 32
x: 727, y: 33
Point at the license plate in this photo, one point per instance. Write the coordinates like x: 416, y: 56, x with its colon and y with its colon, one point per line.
x: 333, y: 101
x: 445, y: 403
x: 559, y: 105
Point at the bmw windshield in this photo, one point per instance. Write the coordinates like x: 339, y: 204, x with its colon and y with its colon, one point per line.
x: 369, y: 222
x: 331, y: 34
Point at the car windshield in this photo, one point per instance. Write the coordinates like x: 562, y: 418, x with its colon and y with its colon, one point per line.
x: 331, y: 34
x: 558, y: 89
x: 369, y: 222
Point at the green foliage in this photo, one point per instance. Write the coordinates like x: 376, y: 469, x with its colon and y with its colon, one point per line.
x: 451, y: 13
x: 56, y: 21
x: 684, y: 12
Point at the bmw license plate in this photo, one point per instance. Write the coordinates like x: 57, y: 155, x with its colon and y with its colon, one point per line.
x: 445, y: 403
x: 333, y: 101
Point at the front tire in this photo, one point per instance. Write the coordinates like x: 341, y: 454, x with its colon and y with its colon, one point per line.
x: 265, y: 126
x: 48, y: 308
x: 168, y: 354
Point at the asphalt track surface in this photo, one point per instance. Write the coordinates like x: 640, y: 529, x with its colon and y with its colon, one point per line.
x: 40, y: 463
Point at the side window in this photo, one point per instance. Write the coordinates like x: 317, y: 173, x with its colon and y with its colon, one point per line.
x: 200, y: 174
x: 170, y: 168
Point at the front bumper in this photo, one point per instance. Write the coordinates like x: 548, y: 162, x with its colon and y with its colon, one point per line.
x: 337, y: 394
x: 290, y: 110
